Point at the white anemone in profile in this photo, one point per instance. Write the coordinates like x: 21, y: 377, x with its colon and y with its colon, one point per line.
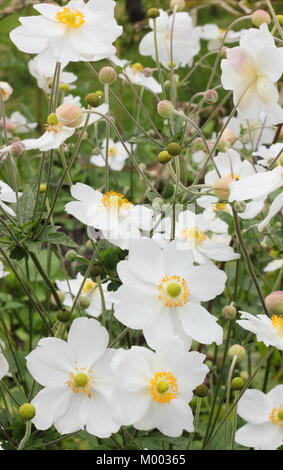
x: 161, y: 294
x: 76, y: 378
x: 268, y: 330
x: 136, y: 74
x: 117, y: 155
x: 118, y: 219
x: 186, y: 39
x: 273, y: 265
x: 264, y: 416
x: 4, y: 366
x: 6, y: 90
x: 77, y: 31
x: 215, y: 35
x: 152, y: 389
x: 17, y: 123
x: 267, y: 155
x: 251, y: 71
x: 90, y: 290
x: 43, y: 74
x: 7, y: 195
x: 248, y: 133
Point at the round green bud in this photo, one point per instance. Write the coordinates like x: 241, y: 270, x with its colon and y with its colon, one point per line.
x: 71, y: 255
x: 259, y: 17
x: 81, y: 380
x: 153, y: 13
x: 27, y: 411
x: 162, y: 387
x: 42, y: 188
x: 164, y: 157
x: 229, y: 312
x: 280, y: 19
x: 274, y: 303
x: 174, y: 148
x: 280, y: 414
x: 165, y: 108
x: 174, y: 289
x: 83, y: 302
x: 237, y: 383
x: 107, y: 75
x: 63, y: 316
x: 240, y: 206
x: 201, y: 391
x: 237, y: 350
x: 52, y: 119
x: 94, y: 99
x: 64, y: 87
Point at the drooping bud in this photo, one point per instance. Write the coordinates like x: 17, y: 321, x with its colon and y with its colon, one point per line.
x: 259, y: 17
x: 63, y: 316
x: 174, y: 148
x: 237, y: 350
x: 70, y: 114
x: 211, y: 96
x: 221, y: 187
x: 165, y: 108
x: 153, y: 13
x: 107, y: 75
x: 274, y: 303
x: 229, y: 311
x: 237, y: 383
x: 94, y: 99
x: 83, y: 302
x: 52, y: 119
x: 61, y: 296
x: 240, y: 206
x: 27, y: 411
x: 201, y: 391
x: 17, y: 148
x: 164, y: 157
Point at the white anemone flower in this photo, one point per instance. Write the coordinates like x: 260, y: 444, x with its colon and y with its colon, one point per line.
x: 135, y: 73
x: 76, y: 378
x: 214, y: 35
x: 44, y: 76
x: 90, y: 290
x: 7, y: 195
x: 268, y: 154
x: 273, y: 265
x: 4, y: 366
x: 231, y: 169
x: 186, y: 40
x: 264, y: 416
x: 18, y: 124
x: 6, y: 90
x: 117, y: 155
x: 251, y: 71
x: 268, y: 330
x: 117, y: 218
x: 195, y: 232
x: 248, y: 133
x: 152, y: 389
x: 163, y: 297
x: 71, y: 33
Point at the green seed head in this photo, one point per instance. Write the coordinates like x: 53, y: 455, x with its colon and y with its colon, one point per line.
x: 164, y: 157
x: 153, y: 13
x: 280, y: 414
x: 81, y: 380
x: 162, y: 387
x: 94, y: 99
x: 201, y: 391
x: 52, y: 119
x: 173, y: 148
x: 174, y: 289
x: 237, y: 383
x: 27, y: 411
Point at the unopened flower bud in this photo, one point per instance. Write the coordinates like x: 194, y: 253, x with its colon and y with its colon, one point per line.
x: 221, y: 187
x: 61, y: 296
x: 240, y: 206
x: 42, y: 188
x: 69, y: 114
x: 211, y: 96
x: 259, y: 17
x: 27, y: 411
x: 71, y: 255
x: 147, y: 71
x: 237, y: 383
x: 17, y: 148
x: 201, y: 391
x: 177, y: 3
x: 153, y: 13
x: 229, y: 311
x: 157, y: 203
x: 237, y: 350
x: 228, y: 136
x: 52, y: 119
x: 83, y: 302
x: 280, y: 19
x: 94, y: 99
x: 244, y: 375
x: 274, y: 303
x: 164, y: 157
x: 173, y: 148
x: 165, y: 108
x: 63, y: 316
x: 107, y: 75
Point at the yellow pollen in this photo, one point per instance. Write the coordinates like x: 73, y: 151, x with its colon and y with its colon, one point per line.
x: 233, y: 176
x: 276, y: 416
x: 55, y: 128
x: 72, y: 18
x: 220, y: 207
x: 277, y: 322
x: 114, y: 200
x: 89, y: 285
x: 163, y: 387
x: 80, y: 381
x: 193, y: 234
x: 112, y: 152
x: 137, y: 67
x: 173, y: 291
x: 4, y: 93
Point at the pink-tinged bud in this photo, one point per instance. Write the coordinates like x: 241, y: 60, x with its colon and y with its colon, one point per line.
x: 221, y: 187
x: 147, y: 72
x: 165, y: 108
x: 211, y: 96
x: 107, y: 75
x: 274, y: 303
x: 17, y: 148
x: 69, y: 115
x: 228, y: 136
x: 259, y: 17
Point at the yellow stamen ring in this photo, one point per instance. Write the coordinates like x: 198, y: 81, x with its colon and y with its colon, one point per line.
x: 163, y: 387
x: 81, y: 381
x: 173, y: 291
x: 276, y: 416
x: 72, y: 18
x: 111, y: 199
